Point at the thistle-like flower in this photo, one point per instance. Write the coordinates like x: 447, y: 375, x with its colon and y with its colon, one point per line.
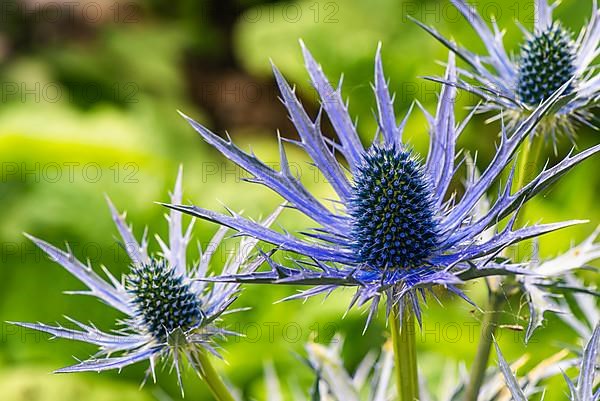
x: 397, y: 226
x: 549, y: 58
x: 169, y: 313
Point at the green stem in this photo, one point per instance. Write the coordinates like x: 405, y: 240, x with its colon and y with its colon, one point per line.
x: 405, y: 353
x: 206, y: 370
x: 488, y: 329
x: 523, y: 161
x: 533, y: 146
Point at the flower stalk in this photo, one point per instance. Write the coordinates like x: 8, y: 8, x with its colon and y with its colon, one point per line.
x: 405, y: 353
x: 528, y: 158
x: 488, y: 330
x: 210, y: 376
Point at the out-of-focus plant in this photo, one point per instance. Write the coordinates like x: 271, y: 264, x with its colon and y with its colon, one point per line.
x: 581, y: 390
x: 548, y: 278
x: 372, y: 379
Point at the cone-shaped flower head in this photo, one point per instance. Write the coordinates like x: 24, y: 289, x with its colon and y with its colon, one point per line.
x: 392, y: 210
x: 163, y: 300
x: 546, y: 63
x: 397, y: 224
x: 169, y: 312
x: 549, y: 58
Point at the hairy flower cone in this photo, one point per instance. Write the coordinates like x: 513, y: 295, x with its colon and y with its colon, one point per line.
x: 392, y: 214
x: 162, y: 299
x: 547, y: 63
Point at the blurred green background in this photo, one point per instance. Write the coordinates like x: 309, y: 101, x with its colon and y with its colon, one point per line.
x: 88, y: 107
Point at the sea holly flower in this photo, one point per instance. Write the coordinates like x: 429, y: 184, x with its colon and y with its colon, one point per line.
x: 169, y: 313
x: 397, y: 226
x: 549, y: 58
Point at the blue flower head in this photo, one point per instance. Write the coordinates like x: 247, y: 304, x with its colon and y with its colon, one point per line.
x: 392, y: 210
x: 549, y: 58
x: 397, y: 227
x: 170, y: 314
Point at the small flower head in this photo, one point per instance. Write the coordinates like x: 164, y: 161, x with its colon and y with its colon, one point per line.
x: 547, y: 62
x: 550, y: 59
x: 169, y: 313
x: 397, y: 227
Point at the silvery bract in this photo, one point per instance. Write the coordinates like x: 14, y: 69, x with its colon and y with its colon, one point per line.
x: 556, y: 274
x: 581, y: 390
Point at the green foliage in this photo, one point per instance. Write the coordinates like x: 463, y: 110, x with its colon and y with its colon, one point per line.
x: 35, y: 384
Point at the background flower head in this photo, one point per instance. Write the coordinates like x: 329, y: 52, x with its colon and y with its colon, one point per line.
x: 549, y: 58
